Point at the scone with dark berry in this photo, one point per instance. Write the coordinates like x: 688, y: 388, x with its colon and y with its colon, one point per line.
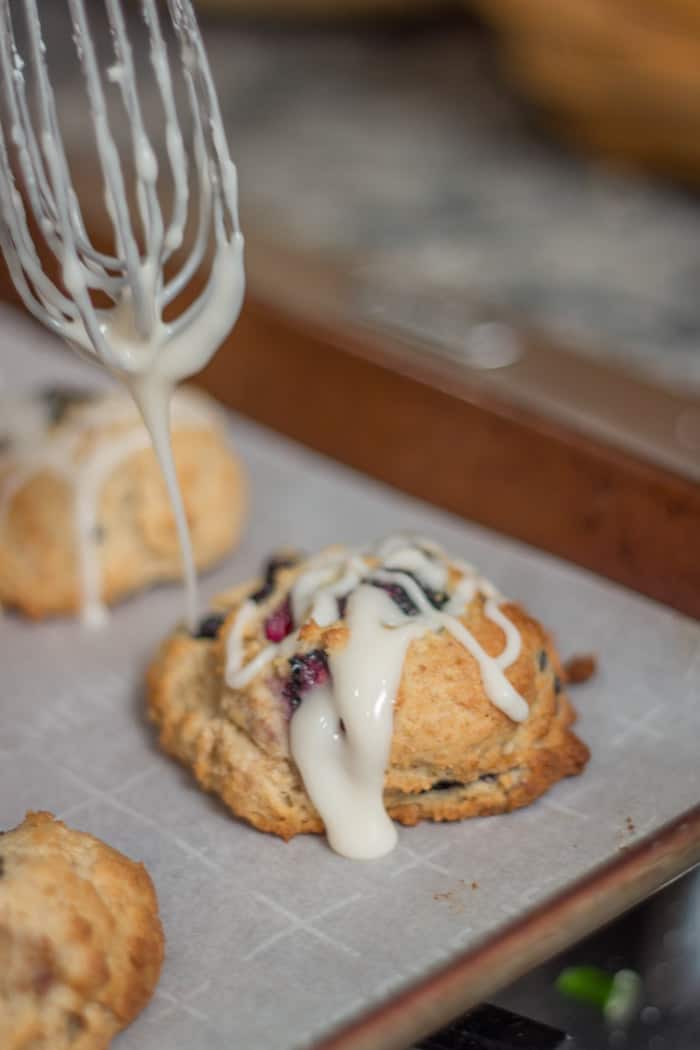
x: 85, y: 518
x: 81, y: 944
x: 357, y: 686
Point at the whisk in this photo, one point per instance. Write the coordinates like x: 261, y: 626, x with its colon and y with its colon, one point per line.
x: 130, y: 336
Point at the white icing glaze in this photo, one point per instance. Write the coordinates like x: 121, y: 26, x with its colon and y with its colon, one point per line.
x: 340, y: 734
x: 343, y: 769
x: 130, y: 338
x: 151, y: 367
x: 237, y: 674
x: 90, y: 443
x: 498, y: 689
x: 412, y: 559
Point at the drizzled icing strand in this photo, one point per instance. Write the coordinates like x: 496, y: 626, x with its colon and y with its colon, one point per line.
x: 340, y: 736
x: 83, y: 453
x: 132, y: 337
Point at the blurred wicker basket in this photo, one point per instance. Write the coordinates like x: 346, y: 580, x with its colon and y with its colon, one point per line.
x: 621, y: 77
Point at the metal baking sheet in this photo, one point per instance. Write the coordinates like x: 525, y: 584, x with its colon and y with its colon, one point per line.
x: 273, y: 946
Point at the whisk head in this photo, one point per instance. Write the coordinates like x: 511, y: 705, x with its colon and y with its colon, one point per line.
x: 95, y: 289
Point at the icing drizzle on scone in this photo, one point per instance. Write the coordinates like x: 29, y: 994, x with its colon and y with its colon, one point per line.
x: 341, y: 702
x: 84, y: 444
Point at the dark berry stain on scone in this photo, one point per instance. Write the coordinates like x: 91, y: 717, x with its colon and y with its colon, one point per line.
x: 445, y: 785
x: 455, y: 785
x: 279, y: 623
x: 210, y: 625
x: 398, y: 595
x: 437, y: 599
x: 557, y: 684
x: 308, y: 670
x: 75, y: 1026
x: 43, y: 979
x: 542, y: 659
x: 272, y: 567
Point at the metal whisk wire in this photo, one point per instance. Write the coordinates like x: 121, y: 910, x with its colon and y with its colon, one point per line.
x: 39, y: 183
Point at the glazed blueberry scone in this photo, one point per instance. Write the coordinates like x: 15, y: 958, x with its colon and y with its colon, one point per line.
x: 356, y: 684
x: 81, y: 943
x: 84, y: 513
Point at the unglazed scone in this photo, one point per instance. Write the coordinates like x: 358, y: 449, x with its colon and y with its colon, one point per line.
x: 477, y: 720
x: 84, y: 513
x: 81, y: 943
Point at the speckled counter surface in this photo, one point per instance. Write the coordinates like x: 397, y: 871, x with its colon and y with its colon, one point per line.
x: 400, y: 144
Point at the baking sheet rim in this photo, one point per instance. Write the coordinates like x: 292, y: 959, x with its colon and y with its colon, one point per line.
x: 442, y: 995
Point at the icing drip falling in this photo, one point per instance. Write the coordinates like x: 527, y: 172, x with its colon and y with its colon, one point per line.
x: 130, y: 338
x: 340, y: 734
x: 343, y: 769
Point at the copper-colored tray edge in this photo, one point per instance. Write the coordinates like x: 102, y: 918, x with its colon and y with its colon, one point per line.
x: 419, y: 426
x: 591, y: 902
x: 407, y: 423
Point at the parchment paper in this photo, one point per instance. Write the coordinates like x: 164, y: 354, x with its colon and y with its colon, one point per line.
x: 271, y: 945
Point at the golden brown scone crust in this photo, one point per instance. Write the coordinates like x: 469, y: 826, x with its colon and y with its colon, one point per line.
x: 454, y: 753
x: 81, y: 944
x: 137, y: 545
